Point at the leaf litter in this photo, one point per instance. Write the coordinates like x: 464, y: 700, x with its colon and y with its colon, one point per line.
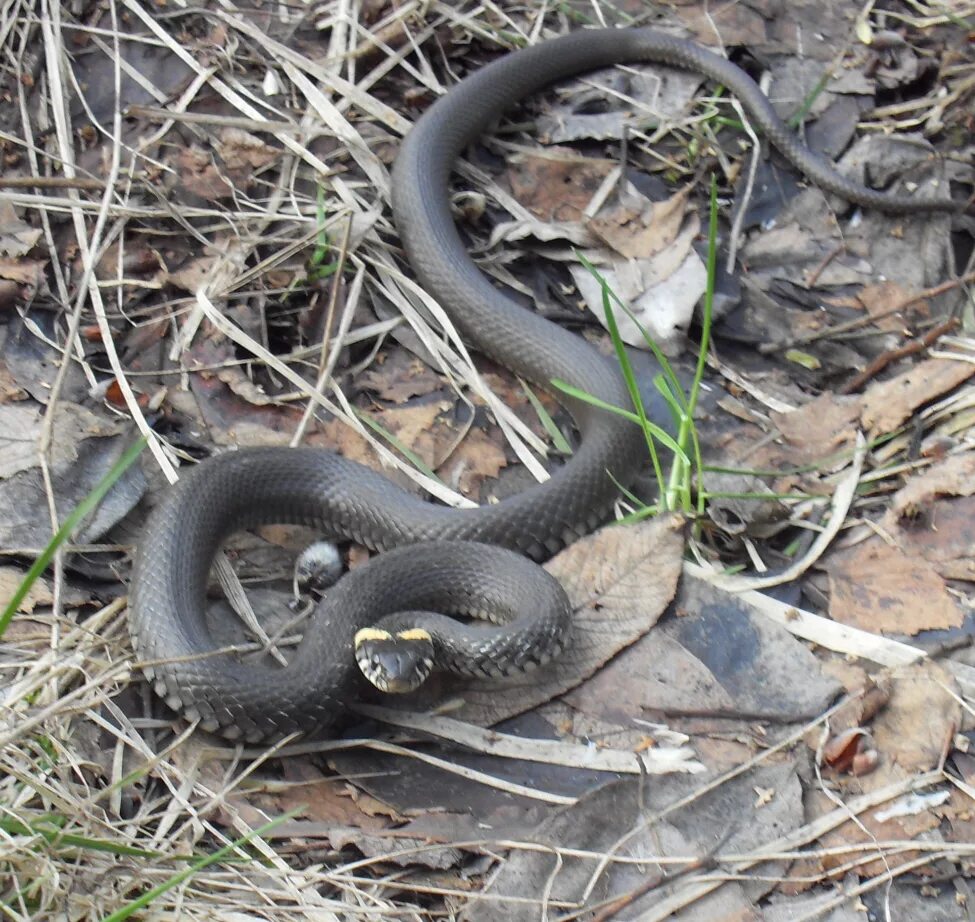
x: 705, y: 751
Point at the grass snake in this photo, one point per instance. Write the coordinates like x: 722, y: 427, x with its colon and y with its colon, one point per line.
x: 348, y: 501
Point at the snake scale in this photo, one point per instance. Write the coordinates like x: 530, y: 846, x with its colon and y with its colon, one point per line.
x: 348, y: 501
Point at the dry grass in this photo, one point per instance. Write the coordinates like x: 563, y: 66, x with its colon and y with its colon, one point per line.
x: 93, y: 814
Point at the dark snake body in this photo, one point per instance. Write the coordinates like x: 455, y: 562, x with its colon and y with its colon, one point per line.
x: 345, y: 500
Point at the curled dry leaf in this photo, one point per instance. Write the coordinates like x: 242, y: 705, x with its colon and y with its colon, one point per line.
x: 24, y: 278
x: 850, y: 751
x: 476, y: 459
x: 397, y: 376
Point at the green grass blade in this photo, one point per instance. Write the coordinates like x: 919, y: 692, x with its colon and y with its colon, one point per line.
x: 410, y: 456
x: 702, y: 352
x: 48, y: 827
x: 660, y: 434
x: 81, y: 511
x: 142, y: 901
x: 665, y: 366
x: 554, y: 433
x: 626, y: 368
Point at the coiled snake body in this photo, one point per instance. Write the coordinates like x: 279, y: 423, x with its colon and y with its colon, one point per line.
x: 345, y: 500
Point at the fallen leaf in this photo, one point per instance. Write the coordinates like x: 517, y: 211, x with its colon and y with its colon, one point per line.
x: 955, y: 476
x: 38, y: 594
x: 21, y: 425
x: 27, y: 274
x: 933, y: 516
x: 880, y: 298
x: 17, y: 237
x: 911, y: 735
x: 243, y: 153
x: 660, y: 291
x: 397, y: 376
x: 637, y: 228
x: 888, y: 404
x: 235, y: 419
x: 191, y: 275
x: 919, y: 722
x: 418, y: 427
x: 718, y: 658
x: 825, y: 426
x: 557, y: 184
x: 877, y: 587
x: 198, y: 174
x: 478, y: 458
x: 614, y: 820
x: 650, y: 95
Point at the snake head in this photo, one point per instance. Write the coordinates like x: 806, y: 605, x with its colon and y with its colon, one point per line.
x: 394, y: 663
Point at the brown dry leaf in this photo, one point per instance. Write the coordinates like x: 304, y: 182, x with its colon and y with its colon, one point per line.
x: 191, y: 274
x: 820, y: 428
x: 558, y: 184
x: 29, y: 272
x: 325, y: 800
x: 243, y: 153
x: 612, y: 820
x: 342, y: 438
x: 718, y: 657
x: 921, y: 718
x: 134, y: 259
x: 10, y: 390
x: 887, y: 404
x: 736, y: 23
x: 476, y: 459
x: 38, y: 594
x: 20, y: 280
x: 511, y: 392
x: 850, y: 834
x: 911, y: 734
x: 639, y: 228
x: 933, y: 516
x: 955, y: 476
x: 17, y: 237
x: 945, y: 536
x: 418, y: 428
x: 21, y: 425
x: 878, y: 300
x: 9, y: 294
x: 215, y: 355
x: 620, y: 581
x: 398, y: 375
x: 235, y: 420
x: 198, y: 174
x: 880, y: 588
